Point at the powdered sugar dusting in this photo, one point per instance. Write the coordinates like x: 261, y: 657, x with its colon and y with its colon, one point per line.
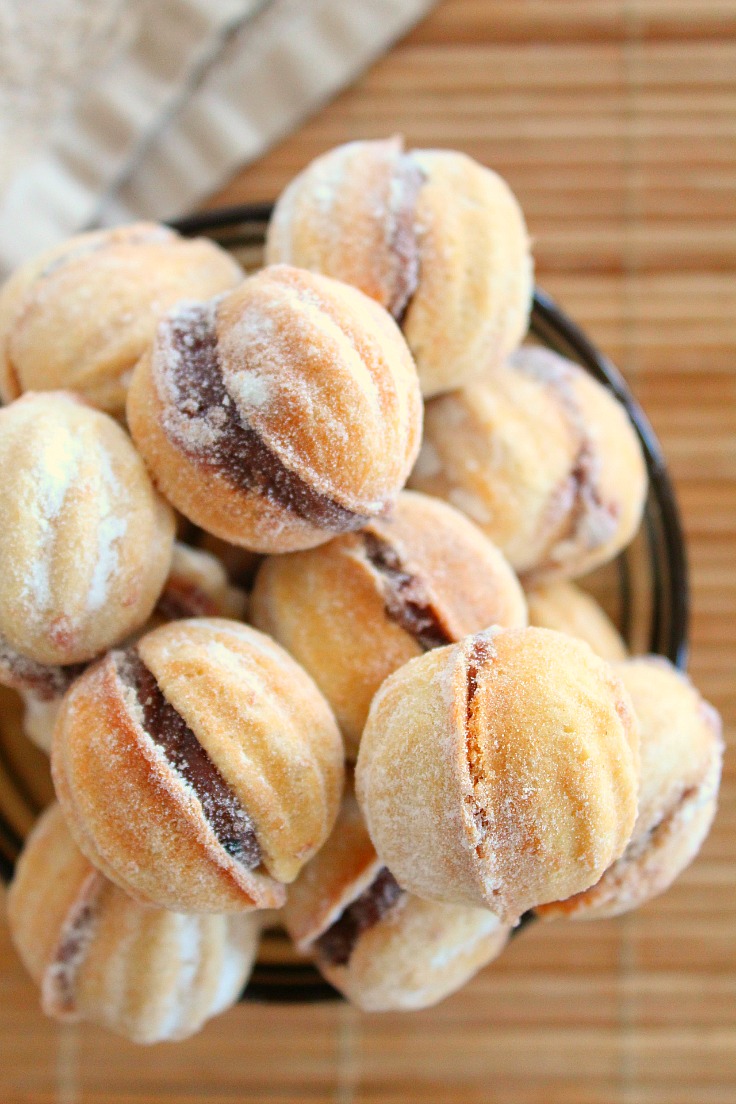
x: 48, y: 483
x: 183, y: 338
x: 250, y: 390
x: 111, y: 529
x: 201, y: 417
x: 255, y: 379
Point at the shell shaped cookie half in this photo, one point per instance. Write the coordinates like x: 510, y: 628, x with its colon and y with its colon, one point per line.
x: 280, y: 414
x: 681, y: 761
x: 80, y: 315
x: 383, y: 948
x: 200, y: 769
x: 86, y: 541
x: 436, y: 238
x: 544, y: 459
x: 523, y: 752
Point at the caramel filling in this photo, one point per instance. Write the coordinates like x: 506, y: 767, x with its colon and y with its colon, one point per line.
x: 235, y: 450
x: 481, y: 652
x: 337, y: 944
x: 184, y: 753
x: 402, y: 243
x: 44, y: 681
x: 406, y: 598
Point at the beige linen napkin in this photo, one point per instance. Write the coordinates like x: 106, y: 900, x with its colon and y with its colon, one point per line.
x: 140, y: 108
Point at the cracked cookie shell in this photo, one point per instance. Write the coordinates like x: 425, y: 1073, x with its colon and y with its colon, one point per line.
x: 98, y: 956
x: 80, y: 315
x: 434, y: 237
x: 384, y: 949
x: 567, y: 608
x: 497, y: 771
x: 279, y: 414
x: 85, y: 542
x: 543, y: 459
x: 199, y: 769
x: 681, y: 758
x: 421, y: 578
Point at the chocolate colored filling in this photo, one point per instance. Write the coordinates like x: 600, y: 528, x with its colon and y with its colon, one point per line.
x: 338, y: 943
x: 589, y: 511
x: 407, y: 601
x: 590, y: 520
x: 45, y: 681
x: 182, y: 598
x: 239, y: 453
x: 69, y: 957
x: 168, y: 729
x: 403, y: 245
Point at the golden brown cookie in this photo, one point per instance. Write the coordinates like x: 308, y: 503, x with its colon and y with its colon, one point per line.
x: 434, y: 237
x: 383, y: 948
x: 681, y: 756
x: 500, y: 769
x: 566, y: 608
x: 543, y: 459
x: 354, y: 610
x: 147, y: 974
x: 200, y: 769
x: 280, y: 414
x: 80, y: 315
x: 85, y: 541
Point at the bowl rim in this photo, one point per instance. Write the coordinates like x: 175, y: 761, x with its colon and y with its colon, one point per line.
x: 281, y: 984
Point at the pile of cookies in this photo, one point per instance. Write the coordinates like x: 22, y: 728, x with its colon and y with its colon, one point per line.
x: 271, y: 678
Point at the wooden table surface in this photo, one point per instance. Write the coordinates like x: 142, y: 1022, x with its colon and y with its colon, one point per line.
x: 615, y: 123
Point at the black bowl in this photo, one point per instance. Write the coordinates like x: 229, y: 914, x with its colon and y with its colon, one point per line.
x: 645, y: 589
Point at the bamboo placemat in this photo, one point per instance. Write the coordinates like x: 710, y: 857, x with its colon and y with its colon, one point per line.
x: 615, y: 123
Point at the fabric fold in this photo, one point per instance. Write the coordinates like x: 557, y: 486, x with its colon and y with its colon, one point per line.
x: 160, y: 129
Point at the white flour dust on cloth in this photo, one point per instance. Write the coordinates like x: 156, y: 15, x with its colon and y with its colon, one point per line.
x: 112, y: 110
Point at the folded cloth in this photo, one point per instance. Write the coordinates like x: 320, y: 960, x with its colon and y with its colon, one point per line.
x: 192, y: 89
